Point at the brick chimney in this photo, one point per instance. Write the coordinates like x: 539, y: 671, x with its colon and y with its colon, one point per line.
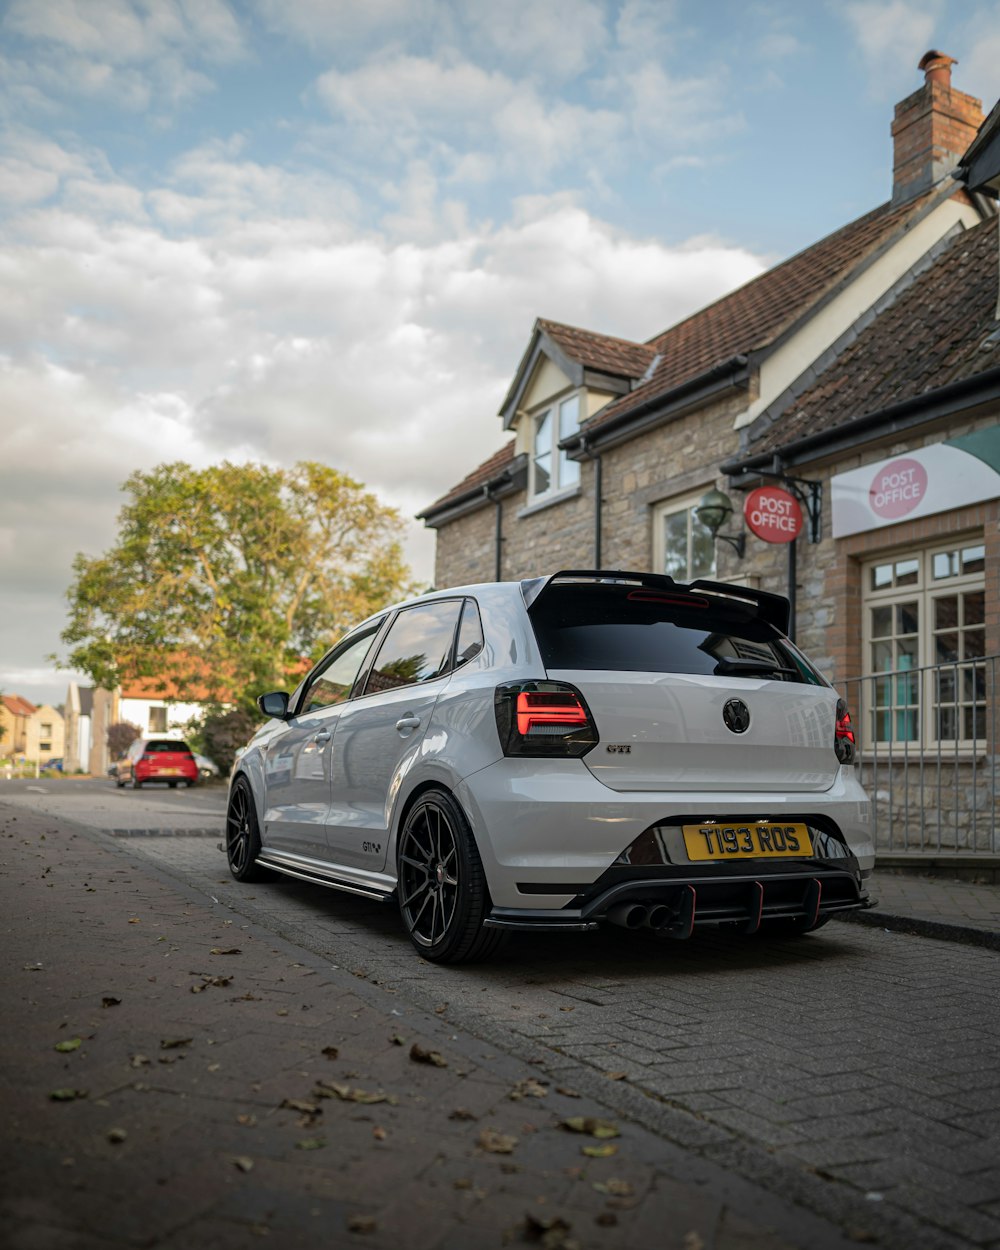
x: 931, y: 129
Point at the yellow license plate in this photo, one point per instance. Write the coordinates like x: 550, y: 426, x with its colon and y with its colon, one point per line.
x: 757, y: 841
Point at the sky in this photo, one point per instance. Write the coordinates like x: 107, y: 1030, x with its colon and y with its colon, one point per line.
x: 273, y: 231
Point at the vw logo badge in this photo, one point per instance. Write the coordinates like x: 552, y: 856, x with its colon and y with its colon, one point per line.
x: 736, y: 714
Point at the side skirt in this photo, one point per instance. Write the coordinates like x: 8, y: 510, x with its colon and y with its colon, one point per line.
x: 317, y: 876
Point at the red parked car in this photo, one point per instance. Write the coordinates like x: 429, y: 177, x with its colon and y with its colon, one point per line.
x: 157, y: 759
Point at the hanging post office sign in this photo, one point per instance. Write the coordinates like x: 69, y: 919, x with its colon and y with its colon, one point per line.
x: 773, y: 514
x: 917, y: 483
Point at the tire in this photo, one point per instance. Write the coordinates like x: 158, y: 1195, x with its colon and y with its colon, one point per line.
x: 136, y: 783
x: 443, y: 898
x: 172, y: 785
x: 243, y: 835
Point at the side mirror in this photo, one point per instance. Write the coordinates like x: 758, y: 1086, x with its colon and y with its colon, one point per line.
x: 274, y: 704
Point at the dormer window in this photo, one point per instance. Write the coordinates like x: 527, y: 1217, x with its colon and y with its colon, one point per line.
x: 552, y: 471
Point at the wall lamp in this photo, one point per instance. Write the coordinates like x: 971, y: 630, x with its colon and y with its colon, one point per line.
x: 713, y: 511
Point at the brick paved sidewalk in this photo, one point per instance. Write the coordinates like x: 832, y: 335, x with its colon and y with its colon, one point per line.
x: 174, y: 1078
x: 937, y: 906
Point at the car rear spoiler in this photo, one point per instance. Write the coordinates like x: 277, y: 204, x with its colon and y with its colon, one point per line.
x: 774, y: 609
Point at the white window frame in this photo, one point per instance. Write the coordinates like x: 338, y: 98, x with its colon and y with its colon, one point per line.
x: 919, y: 725
x: 564, y: 475
x: 670, y: 507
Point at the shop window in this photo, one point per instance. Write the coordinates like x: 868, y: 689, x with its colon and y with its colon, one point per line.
x: 552, y: 471
x: 682, y: 546
x: 925, y: 630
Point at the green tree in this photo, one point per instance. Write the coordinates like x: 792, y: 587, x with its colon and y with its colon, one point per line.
x: 223, y: 579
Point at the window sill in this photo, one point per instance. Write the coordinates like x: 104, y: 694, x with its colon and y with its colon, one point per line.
x: 549, y: 501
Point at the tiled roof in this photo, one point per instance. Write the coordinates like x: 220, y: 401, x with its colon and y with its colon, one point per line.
x: 478, y: 477
x: 753, y: 316
x: 619, y: 357
x: 17, y: 706
x: 933, y: 334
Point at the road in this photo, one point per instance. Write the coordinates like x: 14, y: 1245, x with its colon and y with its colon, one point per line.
x: 856, y: 1072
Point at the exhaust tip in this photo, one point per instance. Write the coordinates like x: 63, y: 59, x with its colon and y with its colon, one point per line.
x: 628, y: 915
x: 658, y: 916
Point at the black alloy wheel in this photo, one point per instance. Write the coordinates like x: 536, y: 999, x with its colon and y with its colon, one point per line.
x: 443, y: 897
x: 243, y: 835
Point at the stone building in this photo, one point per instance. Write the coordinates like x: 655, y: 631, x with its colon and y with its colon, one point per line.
x: 868, y: 355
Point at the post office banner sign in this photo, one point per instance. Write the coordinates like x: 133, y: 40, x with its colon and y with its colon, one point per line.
x: 917, y: 483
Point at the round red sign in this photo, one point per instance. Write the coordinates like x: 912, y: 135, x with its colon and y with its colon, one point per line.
x: 773, y: 514
x: 897, y: 488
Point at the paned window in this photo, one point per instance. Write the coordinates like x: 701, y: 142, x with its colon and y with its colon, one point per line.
x: 552, y: 471
x: 925, y: 629
x: 682, y: 546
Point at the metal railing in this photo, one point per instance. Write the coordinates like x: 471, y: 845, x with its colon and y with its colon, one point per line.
x: 930, y: 756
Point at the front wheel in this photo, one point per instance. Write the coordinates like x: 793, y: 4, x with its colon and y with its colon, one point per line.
x: 443, y: 897
x: 243, y: 835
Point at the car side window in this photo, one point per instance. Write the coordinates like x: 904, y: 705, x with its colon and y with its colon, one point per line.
x: 470, y: 634
x: 334, y: 681
x: 417, y: 647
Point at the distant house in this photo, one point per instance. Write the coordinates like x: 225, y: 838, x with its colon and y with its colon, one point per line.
x: 34, y: 732
x: 89, y: 714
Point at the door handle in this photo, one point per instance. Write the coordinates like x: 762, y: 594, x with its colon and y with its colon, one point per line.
x: 409, y: 721
x: 323, y: 737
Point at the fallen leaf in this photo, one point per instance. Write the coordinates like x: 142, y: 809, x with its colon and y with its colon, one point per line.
x: 397, y: 1040
x: 214, y: 1067
x: 32, y: 967
x: 600, y: 1152
x: 331, y: 1052
x: 495, y: 1143
x: 606, y: 1219
x: 67, y: 1095
x: 462, y: 1182
x: 362, y: 1224
x: 566, y: 1093
x: 528, y: 1088
x: 591, y: 1125
x: 282, y: 1011
x: 346, y: 1094
x: 379, y: 1133
x: 432, y: 1057
x: 248, y: 1121
x: 310, y: 1143
x: 138, y: 1061
x: 441, y: 1008
x: 116, y: 1135
x: 614, y: 1186
x: 134, y: 920
x: 299, y: 1104
x: 243, y: 1162
x: 693, y: 1241
x: 551, y: 1231
x: 616, y: 1076
x: 227, y: 950
x: 109, y: 1001
x: 171, y: 1043
x: 860, y: 1234
x: 71, y: 1043
x: 462, y: 1113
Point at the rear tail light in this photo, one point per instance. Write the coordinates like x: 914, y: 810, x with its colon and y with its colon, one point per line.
x: 843, y: 740
x: 543, y: 718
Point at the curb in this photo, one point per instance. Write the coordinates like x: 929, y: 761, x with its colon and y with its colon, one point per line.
x: 940, y: 929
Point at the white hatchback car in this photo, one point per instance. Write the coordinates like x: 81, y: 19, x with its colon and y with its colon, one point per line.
x: 557, y: 753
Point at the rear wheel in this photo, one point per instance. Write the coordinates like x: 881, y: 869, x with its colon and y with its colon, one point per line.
x: 443, y: 897
x: 136, y: 783
x: 243, y: 835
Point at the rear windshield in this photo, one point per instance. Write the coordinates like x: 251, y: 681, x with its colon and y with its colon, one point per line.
x: 176, y: 747
x: 638, y: 631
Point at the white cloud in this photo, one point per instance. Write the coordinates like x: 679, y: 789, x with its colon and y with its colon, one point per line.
x: 892, y: 36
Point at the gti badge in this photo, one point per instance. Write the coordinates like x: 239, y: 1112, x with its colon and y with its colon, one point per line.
x: 736, y: 714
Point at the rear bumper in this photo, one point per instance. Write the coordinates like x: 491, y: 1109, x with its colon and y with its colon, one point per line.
x: 552, y: 824
x: 746, y: 895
